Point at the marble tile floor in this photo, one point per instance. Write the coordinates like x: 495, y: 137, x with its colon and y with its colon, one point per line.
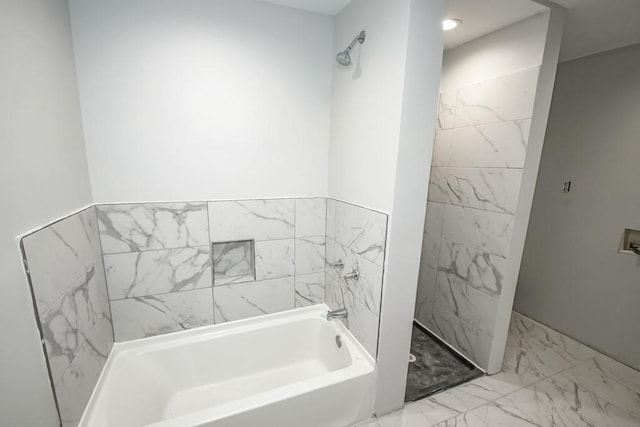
x: 547, y: 379
x: 436, y: 367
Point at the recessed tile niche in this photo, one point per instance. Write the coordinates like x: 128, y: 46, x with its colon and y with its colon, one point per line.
x: 233, y: 262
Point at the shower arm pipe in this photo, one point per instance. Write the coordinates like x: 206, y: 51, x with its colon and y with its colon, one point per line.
x: 359, y: 38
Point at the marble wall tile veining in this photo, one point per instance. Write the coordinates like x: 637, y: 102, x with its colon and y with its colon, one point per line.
x: 469, y: 341
x: 148, y: 316
x: 490, y: 189
x: 478, y: 159
x: 259, y: 220
x: 442, y: 148
x: 309, y: 289
x: 331, y: 218
x: 310, y: 217
x: 475, y: 308
x: 446, y: 110
x: 493, y: 145
x: 486, y: 231
x: 137, y: 274
x: 233, y: 262
x: 59, y: 254
x: 64, y: 263
x: 505, y: 98
x: 482, y: 271
x: 430, y: 250
x: 149, y: 226
x: 357, y: 236
x: 425, y: 296
x: 69, y: 321
x: 367, y: 290
x: 362, y: 230
x: 310, y: 255
x: 243, y: 300
x: 75, y: 387
x: 275, y: 259
x: 434, y: 219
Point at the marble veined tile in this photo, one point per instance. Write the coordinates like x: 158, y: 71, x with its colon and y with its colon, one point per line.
x: 137, y: 274
x: 500, y: 99
x: 556, y: 401
x: 243, y: 300
x: 442, y: 148
x: 331, y: 218
x: 309, y: 289
x: 430, y: 250
x: 609, y: 380
x: 69, y: 321
x: 75, y: 387
x: 275, y: 259
x: 446, y: 109
x: 497, y: 145
x: 422, y: 413
x: 367, y: 290
x: 489, y: 232
x: 475, y: 308
x: 311, y: 217
x: 149, y: 226
x: 268, y: 219
x: 142, y: 317
x: 467, y: 340
x: 310, y: 255
x: 425, y: 295
x: 434, y: 218
x: 360, y: 298
x: 478, y: 392
x: 233, y: 262
x: 364, y: 231
x: 490, y: 189
x: 59, y: 254
x: 534, y: 352
x: 470, y: 267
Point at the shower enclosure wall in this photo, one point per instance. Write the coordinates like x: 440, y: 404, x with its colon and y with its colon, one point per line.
x: 485, y: 114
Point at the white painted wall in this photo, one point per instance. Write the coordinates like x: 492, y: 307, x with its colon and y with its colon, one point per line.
x: 43, y: 175
x: 196, y: 100
x: 367, y: 103
x: 516, y: 47
x: 573, y: 278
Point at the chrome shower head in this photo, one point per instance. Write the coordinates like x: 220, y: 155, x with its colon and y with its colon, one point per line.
x: 344, y: 57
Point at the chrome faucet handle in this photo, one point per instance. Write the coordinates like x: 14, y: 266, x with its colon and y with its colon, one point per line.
x: 355, y: 275
x: 338, y: 264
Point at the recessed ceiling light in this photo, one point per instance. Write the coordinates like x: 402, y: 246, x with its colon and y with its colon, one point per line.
x: 450, y: 24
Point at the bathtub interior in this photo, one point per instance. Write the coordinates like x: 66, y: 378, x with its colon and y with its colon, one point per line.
x: 165, y: 380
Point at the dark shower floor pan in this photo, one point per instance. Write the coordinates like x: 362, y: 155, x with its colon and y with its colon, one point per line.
x: 436, y: 368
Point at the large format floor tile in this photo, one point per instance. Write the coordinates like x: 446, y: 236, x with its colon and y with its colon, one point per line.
x: 548, y: 380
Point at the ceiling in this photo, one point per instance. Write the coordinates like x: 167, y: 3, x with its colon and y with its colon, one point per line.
x: 592, y: 25
x: 480, y: 17
x: 326, y: 7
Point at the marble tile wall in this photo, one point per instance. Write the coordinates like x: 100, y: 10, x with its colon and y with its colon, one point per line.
x: 478, y: 159
x: 174, y: 266
x: 357, y: 236
x: 65, y: 267
x: 158, y: 267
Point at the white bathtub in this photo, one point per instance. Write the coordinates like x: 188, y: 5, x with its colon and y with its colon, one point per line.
x: 279, y: 370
